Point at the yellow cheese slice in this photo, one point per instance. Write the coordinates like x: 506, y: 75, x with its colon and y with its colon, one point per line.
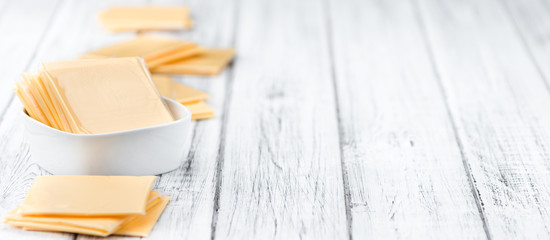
x: 154, y: 50
x: 141, y: 226
x: 179, y: 92
x: 23, y: 92
x: 87, y: 195
x: 56, y: 228
x: 210, y: 62
x: 200, y: 110
x: 104, y: 95
x: 101, y: 226
x: 120, y: 19
x: 38, y: 89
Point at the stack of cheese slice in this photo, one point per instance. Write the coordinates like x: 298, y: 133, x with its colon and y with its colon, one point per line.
x: 121, y: 19
x: 154, y: 50
x: 192, y: 98
x: 172, y: 56
x: 93, y: 96
x: 94, y: 205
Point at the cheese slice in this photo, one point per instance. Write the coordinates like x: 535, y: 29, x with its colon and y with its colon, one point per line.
x: 179, y: 92
x: 200, y: 110
x: 100, y: 226
x: 104, y: 95
x: 154, y: 50
x: 120, y: 19
x: 87, y: 195
x: 141, y: 226
x: 210, y: 62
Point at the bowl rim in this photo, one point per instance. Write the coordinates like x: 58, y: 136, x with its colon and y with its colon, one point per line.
x: 187, y: 117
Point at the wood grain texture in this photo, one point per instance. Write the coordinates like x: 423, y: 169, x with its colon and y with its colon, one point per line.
x: 401, y: 158
x: 532, y: 20
x: 499, y: 105
x: 70, y: 32
x: 193, y: 185
x: 22, y: 24
x: 281, y: 175
x: 29, y: 19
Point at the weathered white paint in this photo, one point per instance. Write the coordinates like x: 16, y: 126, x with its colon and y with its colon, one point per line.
x: 22, y: 26
x: 499, y: 104
x: 70, y: 31
x: 374, y: 70
x: 403, y: 165
x: 281, y: 175
x: 193, y: 186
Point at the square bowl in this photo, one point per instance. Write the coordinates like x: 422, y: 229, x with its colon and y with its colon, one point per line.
x: 144, y: 151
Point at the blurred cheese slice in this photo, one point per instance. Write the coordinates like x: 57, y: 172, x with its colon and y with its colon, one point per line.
x: 192, y: 98
x: 209, y: 62
x: 154, y: 50
x: 87, y: 195
x: 99, y: 226
x: 200, y: 110
x: 141, y: 226
x: 120, y: 19
x: 179, y: 92
x: 104, y: 95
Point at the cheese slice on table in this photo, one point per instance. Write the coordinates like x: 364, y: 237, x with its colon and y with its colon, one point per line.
x: 120, y: 19
x: 100, y: 226
x: 200, y: 110
x: 154, y: 50
x: 177, y: 91
x: 141, y: 226
x: 87, y: 195
x: 210, y: 62
x: 104, y: 95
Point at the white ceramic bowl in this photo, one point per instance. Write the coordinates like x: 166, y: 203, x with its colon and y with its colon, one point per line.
x: 144, y: 151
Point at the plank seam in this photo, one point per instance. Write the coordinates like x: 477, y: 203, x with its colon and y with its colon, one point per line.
x: 226, y: 105
x: 524, y: 43
x: 344, y: 173
x: 440, y: 85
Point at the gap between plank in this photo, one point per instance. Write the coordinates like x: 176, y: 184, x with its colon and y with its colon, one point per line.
x: 225, y: 112
x: 467, y: 169
x: 344, y: 173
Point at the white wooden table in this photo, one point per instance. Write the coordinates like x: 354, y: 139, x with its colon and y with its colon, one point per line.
x: 338, y: 119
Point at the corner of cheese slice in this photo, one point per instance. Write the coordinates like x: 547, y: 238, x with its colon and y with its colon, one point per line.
x: 177, y: 91
x: 87, y: 195
x: 141, y: 226
x: 210, y: 62
x: 200, y: 110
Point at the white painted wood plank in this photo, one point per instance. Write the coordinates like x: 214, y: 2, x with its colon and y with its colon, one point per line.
x: 499, y: 105
x: 73, y: 29
x: 532, y: 19
x: 281, y: 175
x: 22, y: 24
x: 193, y: 186
x: 403, y: 164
